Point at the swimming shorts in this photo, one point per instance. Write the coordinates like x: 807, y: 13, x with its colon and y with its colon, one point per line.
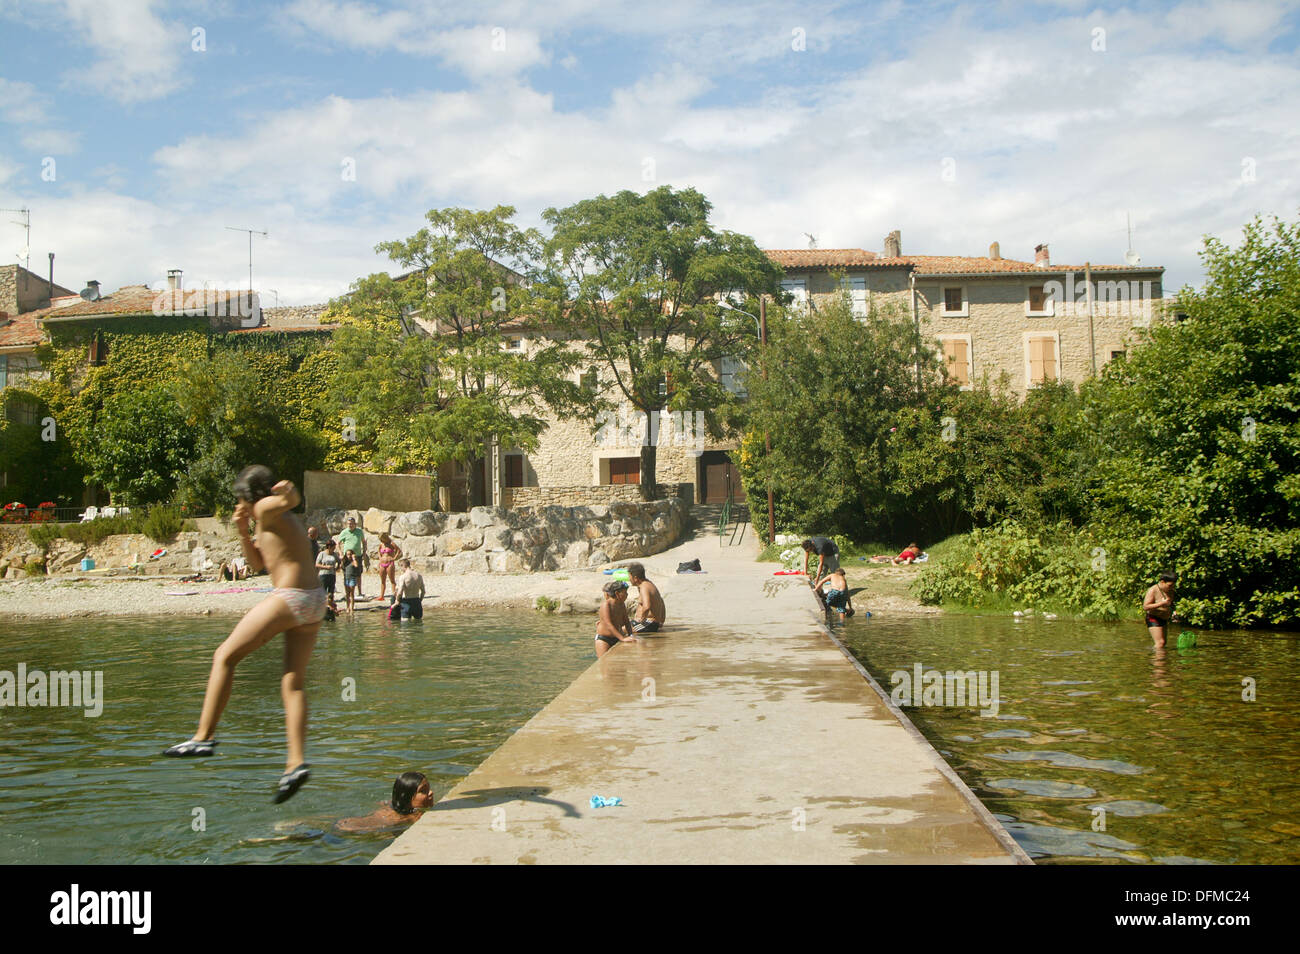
x: 307, y: 606
x: 610, y: 641
x: 836, y: 599
x: 1157, y: 621
x: 646, y: 626
x: 412, y: 607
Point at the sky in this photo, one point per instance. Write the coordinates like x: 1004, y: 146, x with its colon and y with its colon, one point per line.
x: 140, y: 132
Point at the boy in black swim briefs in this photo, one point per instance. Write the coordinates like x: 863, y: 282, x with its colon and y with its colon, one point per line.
x: 614, y: 626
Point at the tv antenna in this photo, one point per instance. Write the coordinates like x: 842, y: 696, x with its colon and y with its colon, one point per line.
x: 251, y: 233
x: 25, y: 252
x: 1130, y: 256
x: 812, y: 239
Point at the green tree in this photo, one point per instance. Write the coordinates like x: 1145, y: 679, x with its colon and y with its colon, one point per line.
x: 640, y: 275
x: 835, y: 387
x: 423, y: 363
x: 1201, y: 430
x: 141, y: 445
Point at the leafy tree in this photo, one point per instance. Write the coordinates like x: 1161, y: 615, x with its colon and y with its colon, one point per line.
x: 140, y: 446
x: 423, y: 363
x: 835, y: 387
x: 1201, y: 430
x: 640, y: 274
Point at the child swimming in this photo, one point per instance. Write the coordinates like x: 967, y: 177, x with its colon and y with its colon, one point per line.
x: 411, y: 796
x: 295, y: 607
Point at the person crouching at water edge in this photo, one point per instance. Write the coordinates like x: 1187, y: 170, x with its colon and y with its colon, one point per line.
x: 295, y: 607
x: 834, y: 592
x: 614, y: 626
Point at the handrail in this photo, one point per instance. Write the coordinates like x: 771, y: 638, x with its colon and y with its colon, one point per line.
x: 725, y: 519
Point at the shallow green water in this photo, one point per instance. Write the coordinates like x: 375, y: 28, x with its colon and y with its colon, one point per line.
x: 437, y: 696
x: 1091, y: 716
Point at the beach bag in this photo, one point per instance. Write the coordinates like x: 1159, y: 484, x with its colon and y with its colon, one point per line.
x: 692, y: 567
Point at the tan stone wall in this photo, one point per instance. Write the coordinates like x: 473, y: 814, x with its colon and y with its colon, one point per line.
x: 331, y: 490
x: 588, y: 496
x: 21, y: 290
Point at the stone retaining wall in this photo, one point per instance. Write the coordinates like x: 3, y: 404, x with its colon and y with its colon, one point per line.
x: 496, y: 540
x: 589, y: 496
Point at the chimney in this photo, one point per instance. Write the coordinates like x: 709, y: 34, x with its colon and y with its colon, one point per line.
x: 94, y: 288
x: 995, y: 252
x: 894, y: 244
x: 174, y: 279
x: 1041, y: 258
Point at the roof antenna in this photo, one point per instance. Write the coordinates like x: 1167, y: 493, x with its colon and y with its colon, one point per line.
x: 812, y: 240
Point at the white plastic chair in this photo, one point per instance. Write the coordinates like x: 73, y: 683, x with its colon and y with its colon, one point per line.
x: 90, y: 514
x: 108, y: 512
x: 123, y: 511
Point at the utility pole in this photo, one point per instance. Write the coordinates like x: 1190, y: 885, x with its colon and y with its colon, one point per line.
x: 767, y: 436
x: 251, y: 233
x: 26, y: 223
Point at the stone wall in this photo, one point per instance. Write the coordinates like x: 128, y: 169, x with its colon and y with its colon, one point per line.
x: 496, y: 540
x: 21, y: 290
x: 335, y: 490
x: 293, y: 315
x: 589, y: 496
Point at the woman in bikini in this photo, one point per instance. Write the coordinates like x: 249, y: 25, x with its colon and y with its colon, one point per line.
x: 295, y: 607
x: 389, y: 554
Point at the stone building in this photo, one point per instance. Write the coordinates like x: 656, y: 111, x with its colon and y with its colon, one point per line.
x: 1033, y: 321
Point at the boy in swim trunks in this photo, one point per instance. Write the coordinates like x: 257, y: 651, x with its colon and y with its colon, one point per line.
x: 650, y: 602
x: 295, y: 607
x: 1158, y: 605
x: 834, y: 592
x: 613, y: 627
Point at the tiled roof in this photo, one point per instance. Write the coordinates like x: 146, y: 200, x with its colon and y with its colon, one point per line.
x: 142, y: 300
x: 20, y: 330
x: 927, y: 264
x: 820, y: 257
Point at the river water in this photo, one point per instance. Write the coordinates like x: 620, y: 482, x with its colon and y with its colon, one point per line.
x: 1103, y: 750
x: 436, y: 696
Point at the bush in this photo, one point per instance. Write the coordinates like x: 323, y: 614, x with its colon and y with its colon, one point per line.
x: 547, y: 604
x: 35, y: 568
x: 162, y: 522
x: 95, y: 531
x: 43, y: 534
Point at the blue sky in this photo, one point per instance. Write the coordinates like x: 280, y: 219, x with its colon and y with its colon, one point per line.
x: 959, y: 124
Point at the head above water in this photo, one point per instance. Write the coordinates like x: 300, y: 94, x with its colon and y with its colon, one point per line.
x: 410, y: 791
x: 254, y: 483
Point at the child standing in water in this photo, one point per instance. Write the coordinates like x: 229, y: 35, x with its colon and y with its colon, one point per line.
x: 614, y: 626
x: 295, y: 607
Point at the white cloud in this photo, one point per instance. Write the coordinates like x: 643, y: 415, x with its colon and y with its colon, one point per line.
x: 138, y: 54
x: 21, y: 103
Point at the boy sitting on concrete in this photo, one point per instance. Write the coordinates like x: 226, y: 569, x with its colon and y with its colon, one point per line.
x: 650, y: 602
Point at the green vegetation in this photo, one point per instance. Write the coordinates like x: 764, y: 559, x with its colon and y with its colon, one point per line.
x: 546, y: 604
x: 639, y: 274
x: 160, y: 522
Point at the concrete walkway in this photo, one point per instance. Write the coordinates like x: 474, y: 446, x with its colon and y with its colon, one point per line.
x: 744, y: 734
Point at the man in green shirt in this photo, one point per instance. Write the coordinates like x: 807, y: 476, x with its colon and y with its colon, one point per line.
x: 353, y: 539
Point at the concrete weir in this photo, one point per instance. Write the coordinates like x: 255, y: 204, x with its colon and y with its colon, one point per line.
x: 744, y: 734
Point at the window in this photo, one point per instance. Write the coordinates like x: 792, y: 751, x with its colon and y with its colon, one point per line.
x: 515, y: 470
x: 729, y: 371
x: 857, y: 289
x: 1042, y: 359
x: 1116, y: 355
x: 23, y: 411
x: 1037, y: 302
x: 514, y: 344
x: 666, y: 388
x: 625, y: 470
x: 955, y: 304
x: 798, y: 287
x: 590, y: 380
x: 956, y: 356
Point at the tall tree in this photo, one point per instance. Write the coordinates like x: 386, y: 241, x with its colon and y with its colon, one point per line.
x: 423, y: 359
x: 641, y: 274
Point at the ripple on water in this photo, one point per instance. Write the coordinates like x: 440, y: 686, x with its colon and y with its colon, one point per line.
x: 1130, y: 809
x: 1068, y: 682
x: 1069, y: 760
x: 1009, y: 734
x: 1044, y: 788
x: 1042, y: 840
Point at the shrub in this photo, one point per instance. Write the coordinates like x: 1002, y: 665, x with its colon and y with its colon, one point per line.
x: 35, y: 568
x: 43, y: 534
x: 547, y: 604
x: 162, y: 522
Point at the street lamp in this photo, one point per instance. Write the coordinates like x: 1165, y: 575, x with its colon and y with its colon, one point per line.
x: 761, y: 319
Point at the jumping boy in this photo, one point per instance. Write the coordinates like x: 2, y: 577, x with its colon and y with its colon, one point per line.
x: 613, y: 627
x: 650, y: 602
x: 1158, y: 605
x: 295, y: 607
